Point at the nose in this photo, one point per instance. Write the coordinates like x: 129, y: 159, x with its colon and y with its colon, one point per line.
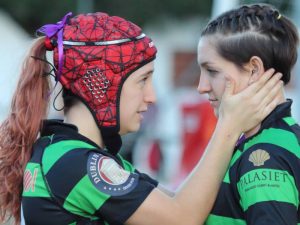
x: 149, y: 95
x: 204, y: 85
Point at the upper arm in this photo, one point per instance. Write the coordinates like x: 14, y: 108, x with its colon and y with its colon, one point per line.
x: 165, y: 190
x: 159, y: 208
x: 92, y: 185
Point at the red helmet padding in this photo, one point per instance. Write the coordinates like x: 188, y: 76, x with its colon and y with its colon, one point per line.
x: 96, y: 74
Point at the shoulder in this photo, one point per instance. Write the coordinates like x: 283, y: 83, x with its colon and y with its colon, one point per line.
x: 284, y: 134
x: 62, y: 154
x: 272, y: 154
x: 273, y: 147
x: 109, y: 176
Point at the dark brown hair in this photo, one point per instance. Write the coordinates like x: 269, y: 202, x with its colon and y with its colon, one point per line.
x: 20, y: 130
x: 256, y: 30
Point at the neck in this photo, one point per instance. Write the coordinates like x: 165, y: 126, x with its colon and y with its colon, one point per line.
x: 254, y: 130
x: 80, y: 116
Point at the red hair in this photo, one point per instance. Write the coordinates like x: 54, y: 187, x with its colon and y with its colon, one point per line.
x: 19, y: 131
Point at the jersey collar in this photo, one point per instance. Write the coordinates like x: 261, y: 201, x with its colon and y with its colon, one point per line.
x: 58, y: 127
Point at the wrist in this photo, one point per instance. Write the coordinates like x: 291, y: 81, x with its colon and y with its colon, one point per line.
x: 228, y: 129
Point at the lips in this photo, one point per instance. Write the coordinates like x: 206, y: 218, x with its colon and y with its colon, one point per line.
x: 141, y: 112
x: 213, y: 102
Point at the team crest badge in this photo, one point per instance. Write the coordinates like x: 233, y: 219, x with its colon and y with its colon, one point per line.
x: 109, y: 177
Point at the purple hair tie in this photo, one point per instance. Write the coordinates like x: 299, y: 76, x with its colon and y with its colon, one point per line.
x: 241, y: 139
x: 56, y: 29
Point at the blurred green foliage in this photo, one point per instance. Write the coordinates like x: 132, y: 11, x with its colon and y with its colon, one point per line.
x: 31, y: 14
x: 285, y: 6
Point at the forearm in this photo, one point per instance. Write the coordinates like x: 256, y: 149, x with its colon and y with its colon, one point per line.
x: 197, y: 195
x: 165, y: 190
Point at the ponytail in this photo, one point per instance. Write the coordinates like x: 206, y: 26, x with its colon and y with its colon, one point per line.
x: 20, y: 130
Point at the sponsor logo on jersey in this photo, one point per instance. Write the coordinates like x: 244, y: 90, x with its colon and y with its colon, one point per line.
x: 259, y: 157
x: 265, y: 176
x: 109, y: 177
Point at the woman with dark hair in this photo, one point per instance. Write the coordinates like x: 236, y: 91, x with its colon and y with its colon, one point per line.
x: 262, y: 183
x: 70, y: 172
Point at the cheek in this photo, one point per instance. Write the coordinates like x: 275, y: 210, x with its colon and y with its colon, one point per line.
x: 130, y: 102
x: 241, y: 79
x: 218, y: 85
x: 241, y: 84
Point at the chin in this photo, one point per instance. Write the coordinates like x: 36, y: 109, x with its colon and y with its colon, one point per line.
x: 133, y: 129
x: 216, y: 112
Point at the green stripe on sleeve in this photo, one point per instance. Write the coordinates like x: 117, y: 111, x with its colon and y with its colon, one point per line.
x: 262, y: 185
x: 34, y: 185
x: 235, y: 157
x: 55, y: 151
x: 127, y: 165
x: 221, y: 220
x: 85, y: 198
x: 279, y: 137
x: 290, y: 121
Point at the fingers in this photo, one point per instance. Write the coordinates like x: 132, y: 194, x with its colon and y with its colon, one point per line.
x: 270, y: 107
x: 256, y: 86
x: 229, y: 87
x: 272, y: 99
x: 272, y: 93
x: 267, y: 96
x: 269, y: 85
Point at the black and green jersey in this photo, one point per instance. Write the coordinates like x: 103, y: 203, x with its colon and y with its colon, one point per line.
x: 261, y: 186
x: 70, y: 180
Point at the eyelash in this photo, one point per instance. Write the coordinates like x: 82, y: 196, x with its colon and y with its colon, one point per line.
x: 212, y: 72
x: 143, y: 80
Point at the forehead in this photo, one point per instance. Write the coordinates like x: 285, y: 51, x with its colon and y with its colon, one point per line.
x: 148, y: 68
x: 207, y: 50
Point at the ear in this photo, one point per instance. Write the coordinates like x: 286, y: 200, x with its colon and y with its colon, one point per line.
x: 256, y: 67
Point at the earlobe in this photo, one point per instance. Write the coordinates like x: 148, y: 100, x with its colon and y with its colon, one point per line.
x: 254, y: 71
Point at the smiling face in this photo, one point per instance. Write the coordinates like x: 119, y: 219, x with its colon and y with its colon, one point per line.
x: 213, y: 71
x: 137, y: 93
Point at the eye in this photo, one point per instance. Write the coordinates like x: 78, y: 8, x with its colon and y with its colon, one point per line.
x: 143, y: 81
x: 212, y: 72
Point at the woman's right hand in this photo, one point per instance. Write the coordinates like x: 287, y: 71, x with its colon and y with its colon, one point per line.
x: 246, y: 109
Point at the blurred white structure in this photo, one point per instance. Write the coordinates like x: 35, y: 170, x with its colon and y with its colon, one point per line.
x: 220, y: 6
x: 173, y: 36
x: 170, y: 37
x: 14, y: 42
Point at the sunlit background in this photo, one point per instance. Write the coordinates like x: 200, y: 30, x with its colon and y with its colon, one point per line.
x: 177, y: 128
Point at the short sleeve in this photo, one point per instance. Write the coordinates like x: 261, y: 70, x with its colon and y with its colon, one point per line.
x: 101, y: 187
x: 267, y: 185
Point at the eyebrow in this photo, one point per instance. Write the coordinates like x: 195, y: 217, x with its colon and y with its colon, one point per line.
x: 205, y: 64
x: 148, y: 73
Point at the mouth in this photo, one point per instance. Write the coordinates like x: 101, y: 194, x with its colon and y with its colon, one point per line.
x: 213, y: 102
x: 212, y: 99
x: 141, y: 112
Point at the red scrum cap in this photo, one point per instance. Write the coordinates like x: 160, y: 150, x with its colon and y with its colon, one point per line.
x: 95, y: 53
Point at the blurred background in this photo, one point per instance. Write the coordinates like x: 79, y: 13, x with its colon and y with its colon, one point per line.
x: 176, y: 129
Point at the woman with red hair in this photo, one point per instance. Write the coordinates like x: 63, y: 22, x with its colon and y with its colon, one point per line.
x: 70, y: 171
